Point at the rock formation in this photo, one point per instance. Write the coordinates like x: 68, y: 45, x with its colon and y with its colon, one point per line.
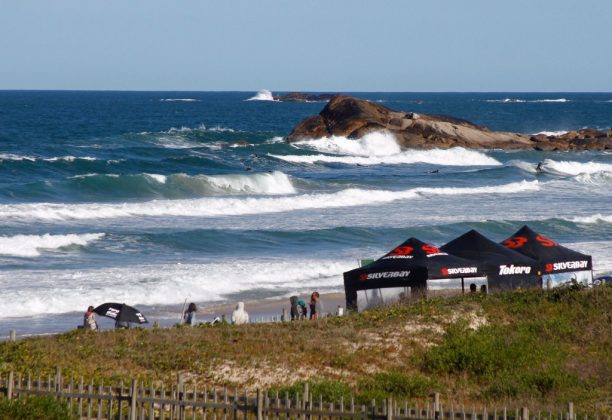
x: 354, y: 118
x: 304, y: 97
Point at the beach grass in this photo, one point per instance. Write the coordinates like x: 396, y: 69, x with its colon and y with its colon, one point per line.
x: 539, y: 347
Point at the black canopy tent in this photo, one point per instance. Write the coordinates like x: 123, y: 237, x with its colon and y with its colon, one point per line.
x: 505, y: 268
x: 553, y: 258
x: 410, y: 264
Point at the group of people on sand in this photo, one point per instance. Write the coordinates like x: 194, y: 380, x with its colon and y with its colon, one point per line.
x: 299, y: 310
x: 239, y: 316
x: 90, y: 323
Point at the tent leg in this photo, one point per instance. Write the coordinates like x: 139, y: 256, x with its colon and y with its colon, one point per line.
x: 462, y: 286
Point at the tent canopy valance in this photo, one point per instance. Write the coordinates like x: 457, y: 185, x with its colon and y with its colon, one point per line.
x: 553, y: 258
x: 409, y: 264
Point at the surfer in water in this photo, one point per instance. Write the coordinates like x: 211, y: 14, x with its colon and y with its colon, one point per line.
x: 539, y: 168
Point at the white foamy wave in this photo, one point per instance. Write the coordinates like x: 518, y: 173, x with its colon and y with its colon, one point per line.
x: 450, y: 157
x: 260, y: 183
x: 69, y: 158
x: 200, y: 128
x: 179, y: 100
x: 9, y: 156
x: 157, y: 177
x: 275, y: 140
x: 70, y: 290
x: 593, y: 219
x: 262, y: 95
x: 516, y: 100
x: 551, y: 133
x: 552, y: 100
x: 216, y: 207
x: 506, y: 100
x: 268, y: 183
x: 381, y: 148
x: 573, y: 168
x: 31, y: 245
x: 378, y: 143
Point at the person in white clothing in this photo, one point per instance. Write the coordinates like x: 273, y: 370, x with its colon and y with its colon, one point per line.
x: 240, y: 316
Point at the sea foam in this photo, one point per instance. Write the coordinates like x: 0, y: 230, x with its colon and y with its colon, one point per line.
x: 265, y: 183
x: 262, y: 95
x: 31, y: 245
x: 164, y: 284
x: 516, y: 100
x: 227, y: 206
x: 380, y: 148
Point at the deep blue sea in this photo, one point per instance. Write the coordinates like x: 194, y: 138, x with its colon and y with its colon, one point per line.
x: 151, y: 198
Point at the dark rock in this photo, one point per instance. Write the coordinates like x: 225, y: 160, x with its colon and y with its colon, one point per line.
x: 304, y: 97
x: 353, y: 118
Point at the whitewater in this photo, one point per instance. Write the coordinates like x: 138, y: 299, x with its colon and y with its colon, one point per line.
x: 168, y: 196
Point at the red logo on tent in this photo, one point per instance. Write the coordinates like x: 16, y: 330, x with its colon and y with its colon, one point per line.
x: 445, y: 271
x: 402, y: 250
x: 516, y: 242
x: 548, y: 268
x: 363, y: 277
x: 430, y: 249
x: 545, y: 241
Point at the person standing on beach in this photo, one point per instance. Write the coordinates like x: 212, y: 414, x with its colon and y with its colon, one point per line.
x: 240, y: 316
x: 89, y: 320
x: 190, y: 315
x: 316, y: 306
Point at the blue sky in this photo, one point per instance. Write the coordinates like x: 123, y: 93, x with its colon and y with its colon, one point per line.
x: 310, y: 45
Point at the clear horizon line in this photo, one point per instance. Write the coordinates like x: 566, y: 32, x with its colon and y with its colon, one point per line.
x: 302, y: 91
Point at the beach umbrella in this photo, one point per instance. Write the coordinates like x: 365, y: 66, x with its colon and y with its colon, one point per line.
x: 121, y: 312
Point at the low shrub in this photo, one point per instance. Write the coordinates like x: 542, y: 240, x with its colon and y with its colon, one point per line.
x: 394, y: 384
x: 34, y: 408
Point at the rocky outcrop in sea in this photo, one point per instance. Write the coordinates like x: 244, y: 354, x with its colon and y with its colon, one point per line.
x: 353, y: 118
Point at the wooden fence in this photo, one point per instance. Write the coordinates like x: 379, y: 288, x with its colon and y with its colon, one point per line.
x: 182, y: 402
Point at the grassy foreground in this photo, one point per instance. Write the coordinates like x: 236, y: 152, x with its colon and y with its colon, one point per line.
x: 538, y: 347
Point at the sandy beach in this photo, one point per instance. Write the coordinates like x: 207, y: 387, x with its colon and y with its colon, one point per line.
x: 263, y: 310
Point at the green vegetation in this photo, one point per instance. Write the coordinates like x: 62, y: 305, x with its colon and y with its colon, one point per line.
x: 538, y: 347
x: 34, y: 408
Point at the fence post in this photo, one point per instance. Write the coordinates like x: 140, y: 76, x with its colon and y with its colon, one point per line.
x: 181, y: 396
x: 524, y: 413
x: 284, y: 316
x: 13, y: 335
x: 570, y: 410
x: 436, y: 405
x: 9, y: 391
x: 305, y: 397
x: 133, y: 399
x: 389, y: 409
x: 259, y: 405
x: 58, y: 379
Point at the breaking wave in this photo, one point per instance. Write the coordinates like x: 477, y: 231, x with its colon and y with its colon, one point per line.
x: 230, y: 206
x: 31, y: 245
x: 596, y: 218
x: 584, y: 172
x: 551, y: 133
x: 165, y: 284
x: 381, y: 148
x: 179, y: 100
x: 516, y: 100
x: 183, y: 185
x: 262, y: 95
x: 10, y: 156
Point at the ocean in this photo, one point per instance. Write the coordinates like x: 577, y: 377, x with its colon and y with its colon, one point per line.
x: 154, y: 198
